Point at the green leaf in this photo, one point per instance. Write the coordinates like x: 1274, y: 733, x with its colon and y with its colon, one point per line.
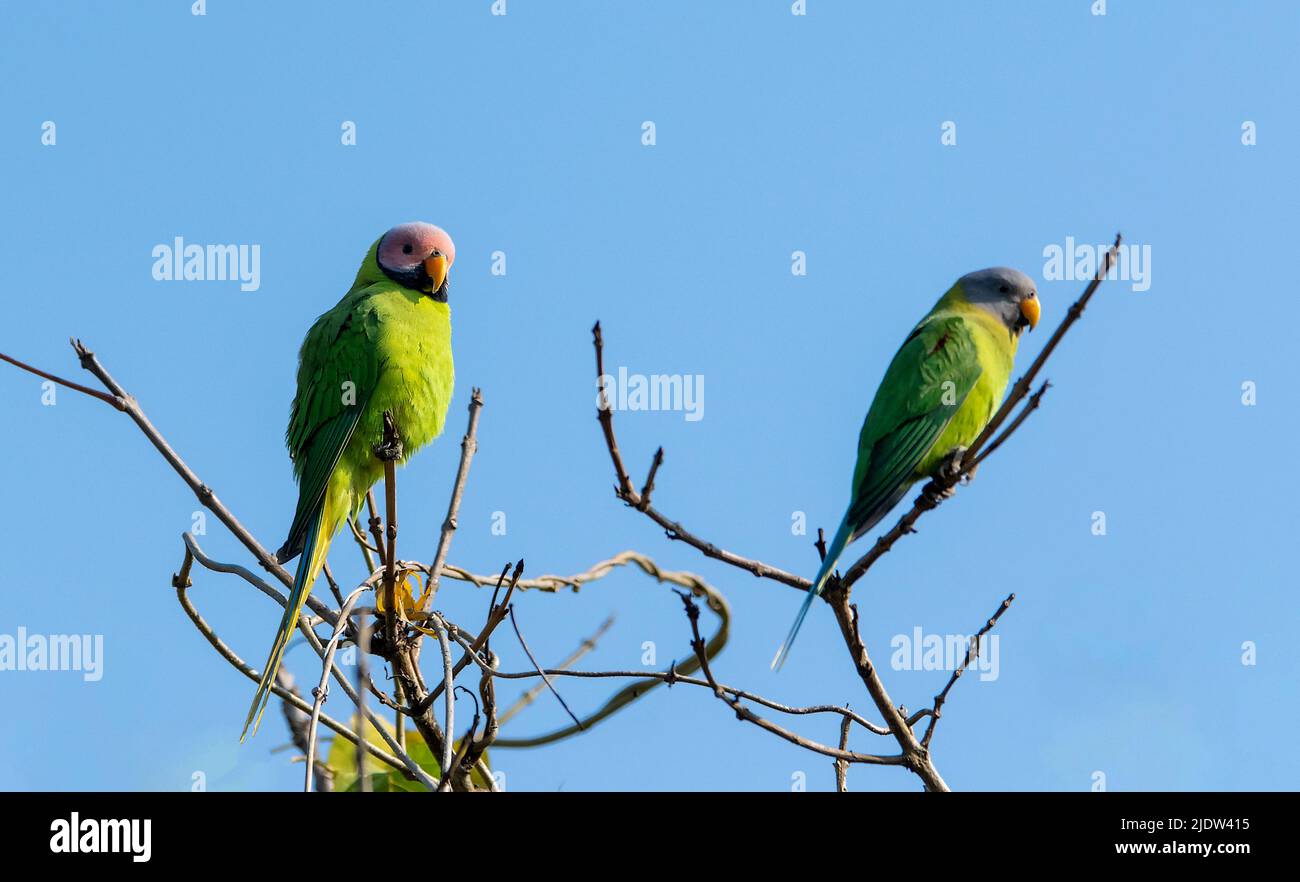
x: 342, y: 761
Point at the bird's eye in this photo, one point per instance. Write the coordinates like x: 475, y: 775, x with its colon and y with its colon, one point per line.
x: 1033, y: 294
x: 406, y: 249
x: 1004, y: 289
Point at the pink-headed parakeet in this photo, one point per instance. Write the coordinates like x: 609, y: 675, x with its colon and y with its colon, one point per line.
x: 386, y: 346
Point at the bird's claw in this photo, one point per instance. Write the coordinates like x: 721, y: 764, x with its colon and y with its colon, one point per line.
x: 946, y: 477
x: 389, y: 451
x: 937, y: 492
x: 949, y: 469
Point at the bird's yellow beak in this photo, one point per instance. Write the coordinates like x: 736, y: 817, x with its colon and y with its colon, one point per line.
x: 436, y: 266
x: 1030, y: 309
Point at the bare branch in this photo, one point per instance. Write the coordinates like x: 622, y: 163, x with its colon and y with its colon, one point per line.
x: 475, y: 748
x: 545, y: 679
x: 585, y: 647
x: 496, y: 614
x: 297, y: 721
x: 389, y: 452
x: 972, y: 652
x: 193, y: 552
x: 605, y: 414
x: 111, y: 400
x: 468, y: 446
x: 641, y: 501
x: 744, y: 713
x: 376, y: 527
x: 440, y: 628
x: 322, y: 688
x: 841, y: 767
x: 229, y: 655
x: 717, y: 604
x: 123, y: 401
x: 363, y: 656
x: 917, y: 758
x: 644, y: 502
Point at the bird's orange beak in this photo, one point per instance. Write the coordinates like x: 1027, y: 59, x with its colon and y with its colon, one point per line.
x: 1030, y: 309
x: 436, y: 266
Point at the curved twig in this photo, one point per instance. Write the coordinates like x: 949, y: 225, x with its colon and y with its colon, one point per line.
x: 322, y: 688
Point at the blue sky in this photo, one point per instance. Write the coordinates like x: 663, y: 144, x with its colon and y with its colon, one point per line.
x: 774, y: 133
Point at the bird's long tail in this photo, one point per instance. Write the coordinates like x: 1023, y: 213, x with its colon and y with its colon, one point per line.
x: 833, y: 552
x: 309, y: 566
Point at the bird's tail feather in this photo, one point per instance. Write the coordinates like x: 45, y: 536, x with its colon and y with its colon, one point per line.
x: 833, y: 552
x: 309, y: 565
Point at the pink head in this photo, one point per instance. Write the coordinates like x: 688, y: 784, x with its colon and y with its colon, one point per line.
x: 418, y: 256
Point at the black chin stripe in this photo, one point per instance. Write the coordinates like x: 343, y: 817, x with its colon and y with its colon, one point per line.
x: 440, y: 296
x: 417, y: 277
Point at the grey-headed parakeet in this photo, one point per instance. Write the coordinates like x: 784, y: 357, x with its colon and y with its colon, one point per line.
x: 944, y: 385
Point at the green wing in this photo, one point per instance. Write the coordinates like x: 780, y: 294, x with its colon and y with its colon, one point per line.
x: 926, y: 383
x: 337, y: 372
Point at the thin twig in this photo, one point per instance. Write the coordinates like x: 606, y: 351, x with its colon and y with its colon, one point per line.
x: 972, y: 652
x: 545, y: 679
x: 585, y: 647
x: 744, y: 713
x: 334, y: 586
x: 193, y: 548
x: 206, y: 495
x: 111, y: 400
x: 717, y: 604
x: 496, y: 614
x: 240, y: 665
x: 376, y: 527
x: 441, y: 628
x: 366, y: 548
x: 297, y: 721
x: 390, y: 451
x: 644, y: 502
x: 625, y: 491
x: 363, y: 661
x: 477, y: 747
x: 841, y: 767
x: 605, y: 414
x: 917, y: 758
x: 468, y: 445
x: 322, y: 688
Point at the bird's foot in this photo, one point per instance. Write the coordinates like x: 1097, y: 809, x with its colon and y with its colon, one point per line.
x: 936, y: 492
x: 949, y: 470
x: 389, y: 451
x: 946, y: 477
x: 391, y: 448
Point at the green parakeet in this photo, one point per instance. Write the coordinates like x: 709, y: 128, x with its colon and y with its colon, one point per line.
x: 944, y: 385
x: 386, y: 346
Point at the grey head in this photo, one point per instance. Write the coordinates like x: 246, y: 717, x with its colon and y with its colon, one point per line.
x: 1007, y: 293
